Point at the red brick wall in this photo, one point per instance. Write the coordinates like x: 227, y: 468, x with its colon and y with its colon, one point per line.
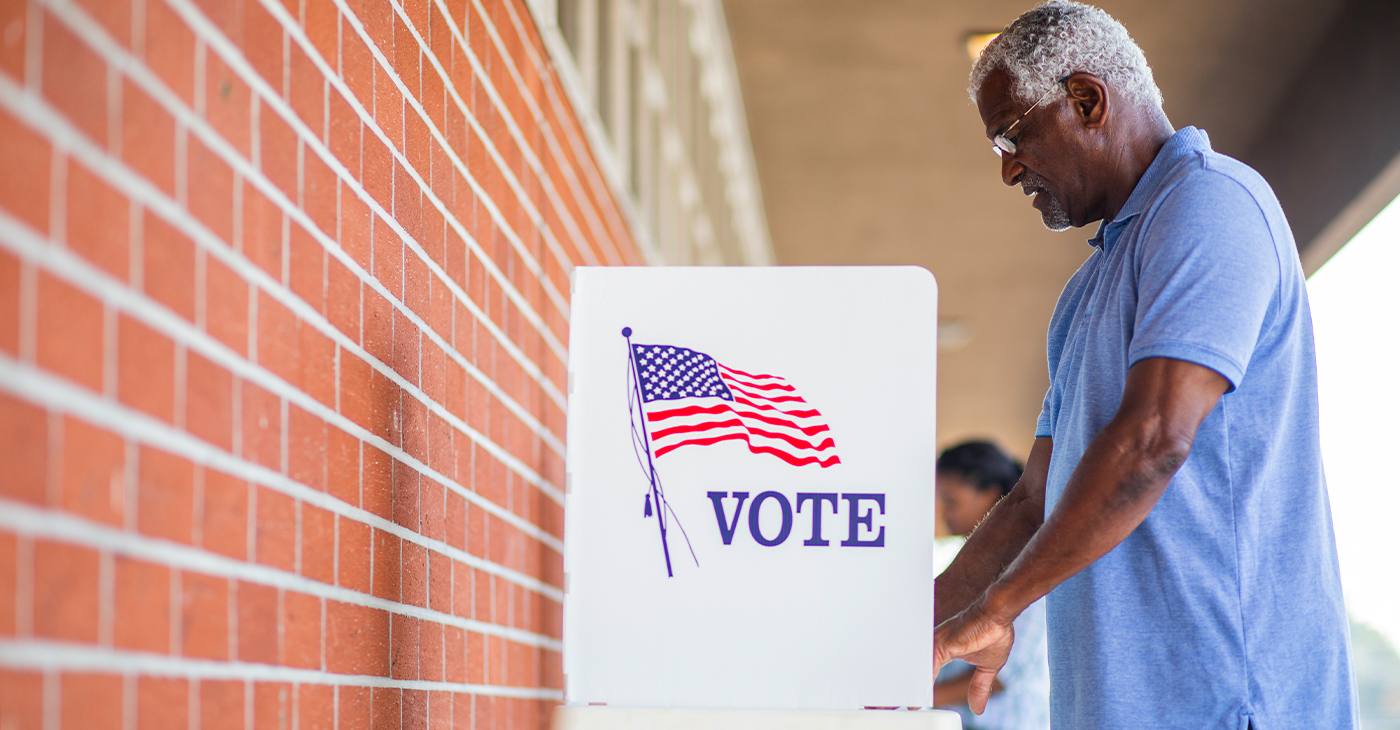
x: 283, y: 318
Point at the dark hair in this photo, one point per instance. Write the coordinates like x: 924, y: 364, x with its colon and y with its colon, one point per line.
x: 981, y: 464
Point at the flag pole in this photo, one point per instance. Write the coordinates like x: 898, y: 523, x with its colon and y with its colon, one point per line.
x: 646, y: 439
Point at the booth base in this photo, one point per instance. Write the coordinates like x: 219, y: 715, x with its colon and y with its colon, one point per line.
x: 592, y: 717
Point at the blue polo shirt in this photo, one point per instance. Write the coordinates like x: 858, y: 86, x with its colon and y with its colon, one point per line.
x: 1223, y: 609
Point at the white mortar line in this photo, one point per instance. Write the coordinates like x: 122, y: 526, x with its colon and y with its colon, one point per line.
x: 57, y: 656
x: 606, y: 191
x: 44, y: 120
x: 233, y: 57
x: 48, y: 391
x: 115, y: 55
x: 35, y: 522
x: 28, y: 246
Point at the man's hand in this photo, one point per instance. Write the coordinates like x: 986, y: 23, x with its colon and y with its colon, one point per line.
x: 982, y: 641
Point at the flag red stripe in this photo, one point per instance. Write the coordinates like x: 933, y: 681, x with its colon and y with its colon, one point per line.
x: 760, y: 386
x: 757, y: 449
x: 722, y: 366
x: 765, y: 396
x: 796, y: 414
x: 710, y: 425
x: 693, y: 410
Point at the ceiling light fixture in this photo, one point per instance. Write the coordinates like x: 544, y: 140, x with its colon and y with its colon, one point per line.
x: 978, y: 40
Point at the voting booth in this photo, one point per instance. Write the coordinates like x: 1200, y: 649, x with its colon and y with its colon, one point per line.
x: 749, y: 499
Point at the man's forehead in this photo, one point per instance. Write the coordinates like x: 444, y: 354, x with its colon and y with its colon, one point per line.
x: 994, y: 100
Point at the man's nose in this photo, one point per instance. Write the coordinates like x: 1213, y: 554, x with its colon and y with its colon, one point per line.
x: 1011, y: 169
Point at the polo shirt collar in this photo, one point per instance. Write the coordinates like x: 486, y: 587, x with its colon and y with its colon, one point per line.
x: 1185, y: 142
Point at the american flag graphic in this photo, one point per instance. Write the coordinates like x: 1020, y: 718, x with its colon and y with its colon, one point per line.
x: 691, y: 399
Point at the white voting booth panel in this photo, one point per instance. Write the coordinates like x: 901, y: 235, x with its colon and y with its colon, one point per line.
x: 778, y: 424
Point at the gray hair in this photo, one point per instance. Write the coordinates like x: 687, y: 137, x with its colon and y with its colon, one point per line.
x: 1059, y: 38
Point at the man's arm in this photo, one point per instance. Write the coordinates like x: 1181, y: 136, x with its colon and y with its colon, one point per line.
x: 1123, y: 473
x: 998, y: 540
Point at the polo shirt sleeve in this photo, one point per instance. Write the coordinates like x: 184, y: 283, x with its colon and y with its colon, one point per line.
x: 1207, y: 274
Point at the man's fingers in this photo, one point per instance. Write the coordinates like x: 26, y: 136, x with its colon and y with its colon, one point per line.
x: 979, y: 690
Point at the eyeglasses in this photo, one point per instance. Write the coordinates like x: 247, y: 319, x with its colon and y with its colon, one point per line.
x: 1003, y: 146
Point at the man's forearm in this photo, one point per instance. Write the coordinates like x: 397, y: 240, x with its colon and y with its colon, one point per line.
x: 1124, y: 471
x: 997, y: 541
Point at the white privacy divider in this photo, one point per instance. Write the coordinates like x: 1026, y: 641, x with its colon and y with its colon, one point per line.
x: 749, y: 504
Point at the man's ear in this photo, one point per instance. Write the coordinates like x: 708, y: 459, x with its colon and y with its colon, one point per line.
x: 1090, y: 98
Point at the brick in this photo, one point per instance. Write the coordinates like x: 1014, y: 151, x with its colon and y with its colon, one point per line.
x: 168, y: 260
x: 21, y: 698
x: 170, y: 49
x: 226, y: 306
x: 343, y: 299
x: 262, y: 426
x: 406, y: 496
x: 454, y: 652
x: 262, y: 231
x: 318, y: 544
x: 356, y: 226
x: 440, y: 582
x: 388, y: 259
x: 378, y: 170
x: 9, y: 587
x: 376, y: 482
x: 277, y: 145
x: 204, y: 616
x: 388, y: 108
x: 308, y: 90
x: 228, y: 104
x: 456, y: 520
x: 257, y: 623
x: 354, y: 568
x: 99, y: 221
x: 145, y: 369
x: 210, y: 191
x: 318, y: 193
x: 277, y: 339
x: 430, y: 654
x: 162, y: 703
x: 26, y: 158
x: 148, y: 137
x: 323, y: 28
x: 378, y: 323
x: 224, y: 520
x: 141, y: 615
x: 315, y: 707
x: 405, y: 56
x: 345, y: 130
x: 262, y: 43
x: 24, y: 447
x: 65, y: 591
x: 386, y: 707
x: 307, y: 448
x: 208, y: 401
x: 276, y: 529
x: 221, y: 704
x: 90, y: 701
x: 343, y: 466
x: 301, y: 630
x: 317, y: 375
x: 12, y: 21
x: 357, y: 639
x: 386, y: 565
x: 356, y: 64
x: 75, y: 80
x: 413, y: 575
x: 353, y: 711
x: 476, y: 658
x: 165, y: 496
x: 271, y: 704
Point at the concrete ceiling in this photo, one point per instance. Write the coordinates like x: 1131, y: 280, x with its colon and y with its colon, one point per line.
x: 869, y: 152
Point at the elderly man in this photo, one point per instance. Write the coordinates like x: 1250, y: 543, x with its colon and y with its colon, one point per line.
x: 1173, y: 506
